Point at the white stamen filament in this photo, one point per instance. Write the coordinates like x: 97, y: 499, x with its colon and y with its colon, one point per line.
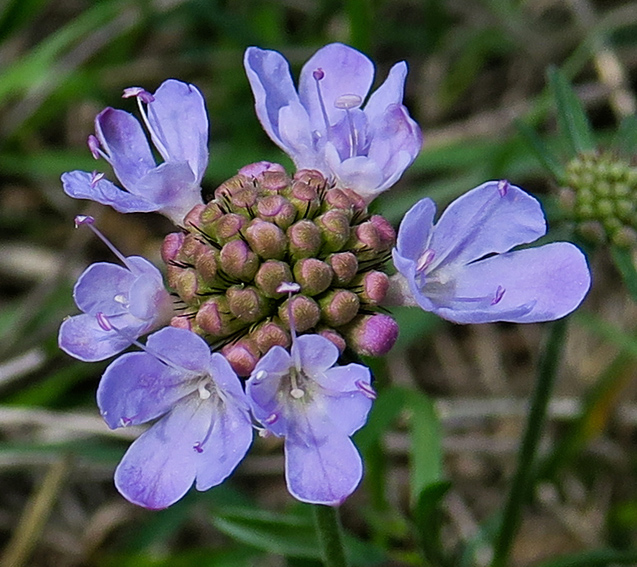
x: 204, y: 393
x: 153, y: 134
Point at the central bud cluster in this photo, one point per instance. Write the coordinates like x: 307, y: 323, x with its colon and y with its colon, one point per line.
x: 263, y: 229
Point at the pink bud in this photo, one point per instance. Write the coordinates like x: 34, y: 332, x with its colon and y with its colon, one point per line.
x: 372, y: 335
x: 344, y: 265
x: 313, y: 275
x: 266, y: 239
x: 336, y: 338
x: 238, y: 261
x: 270, y: 334
x: 385, y: 231
x: 171, y: 245
x: 228, y: 226
x: 304, y: 239
x: 246, y: 304
x: 277, y: 209
x: 214, y: 317
x: 339, y: 307
x: 181, y: 322
x: 305, y: 311
x: 257, y: 169
x: 374, y: 286
x: 242, y: 355
x: 335, y: 230
x: 206, y: 262
x: 193, y: 218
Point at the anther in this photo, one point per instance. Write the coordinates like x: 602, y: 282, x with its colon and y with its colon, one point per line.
x: 297, y: 393
x: 260, y: 375
x: 348, y: 101
x: 94, y: 146
x: 139, y: 93
x: 499, y: 292
x: 366, y: 389
x: 272, y: 418
x: 121, y: 299
x: 425, y: 260
x: 197, y: 447
x: 204, y: 393
x: 125, y: 421
x: 288, y: 287
x: 96, y: 177
x: 103, y: 322
x: 503, y: 187
x: 318, y: 74
x: 83, y: 219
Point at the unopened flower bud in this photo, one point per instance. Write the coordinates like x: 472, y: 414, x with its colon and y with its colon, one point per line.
x: 190, y: 247
x: 209, y: 215
x: 277, y: 209
x: 304, y: 239
x: 242, y: 355
x: 238, y: 261
x: 266, y: 239
x: 181, y: 322
x: 184, y: 282
x: 335, y: 337
x: 313, y: 275
x: 231, y: 187
x: 365, y: 241
x: 271, y: 275
x: 246, y: 303
x: 337, y: 199
x: 193, y: 218
x: 344, y: 265
x: 373, y: 286
x: 335, y: 230
x: 385, y: 231
x: 372, y: 335
x: 171, y: 246
x: 339, y: 307
x: 214, y: 317
x: 228, y: 227
x: 270, y: 334
x: 305, y: 312
x: 206, y: 262
x: 256, y: 170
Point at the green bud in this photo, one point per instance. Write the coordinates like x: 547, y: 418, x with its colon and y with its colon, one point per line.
x: 304, y: 239
x: 335, y: 230
x: 246, y: 303
x: 270, y: 276
x: 270, y: 334
x: 266, y: 239
x: 305, y: 311
x: 339, y: 307
x: 238, y: 261
x: 313, y: 275
x: 344, y: 265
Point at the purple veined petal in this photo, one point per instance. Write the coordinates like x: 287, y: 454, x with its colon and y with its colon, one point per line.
x: 183, y: 348
x: 173, y: 187
x: 226, y: 443
x: 492, y: 218
x: 390, y: 92
x: 81, y: 336
x: 149, y: 299
x: 359, y: 173
x: 179, y: 122
x: 350, y: 135
x: 345, y: 71
x: 227, y: 380
x: 137, y: 387
x: 79, y: 185
x: 316, y: 353
x: 550, y: 280
x: 415, y: 231
x: 160, y: 466
x: 124, y: 141
x: 295, y: 135
x: 395, y: 133
x: 324, y: 473
x: 103, y: 287
x: 269, y: 76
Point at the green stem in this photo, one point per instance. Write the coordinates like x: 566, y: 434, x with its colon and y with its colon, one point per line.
x: 330, y: 536
x: 547, y: 373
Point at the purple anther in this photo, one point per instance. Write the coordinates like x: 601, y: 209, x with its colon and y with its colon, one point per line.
x: 272, y: 418
x: 138, y: 92
x: 103, y: 322
x: 125, y: 421
x: 366, y: 389
x: 318, y: 74
x: 94, y: 146
x: 96, y: 176
x: 197, y: 447
x: 503, y: 187
x: 425, y: 260
x: 83, y: 219
x: 498, y: 295
x: 288, y: 287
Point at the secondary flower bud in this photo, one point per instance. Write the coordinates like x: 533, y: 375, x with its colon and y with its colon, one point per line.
x: 214, y: 317
x: 246, y: 303
x: 305, y: 311
x: 266, y: 239
x: 344, y: 265
x: 305, y: 239
x: 242, y: 356
x: 271, y: 275
x: 227, y: 227
x: 335, y: 230
x: 372, y: 335
x: 339, y: 307
x: 238, y: 261
x: 277, y: 209
x: 270, y: 334
x: 336, y: 338
x: 372, y: 286
x: 171, y: 245
x: 313, y: 275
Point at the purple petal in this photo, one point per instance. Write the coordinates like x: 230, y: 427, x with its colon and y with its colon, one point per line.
x: 148, y: 298
x: 124, y: 141
x: 295, y: 136
x: 137, y: 387
x: 324, y: 472
x: 483, y: 221
x: 227, y: 380
x: 179, y: 124
x: 360, y: 173
x: 83, y: 338
x: 415, y: 229
x: 78, y: 184
x: 345, y: 71
x: 269, y: 76
x: 227, y: 442
x: 160, y: 466
x: 551, y: 281
x: 103, y: 287
x: 183, y: 348
x: 316, y: 353
x: 390, y: 92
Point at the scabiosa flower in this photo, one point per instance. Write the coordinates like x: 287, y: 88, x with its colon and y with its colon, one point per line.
x: 325, y: 126
x: 178, y: 126
x: 203, y: 428
x: 462, y: 268
x: 300, y: 395
x: 133, y: 296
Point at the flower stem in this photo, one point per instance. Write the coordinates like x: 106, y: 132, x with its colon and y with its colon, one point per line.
x: 521, y: 483
x: 330, y: 536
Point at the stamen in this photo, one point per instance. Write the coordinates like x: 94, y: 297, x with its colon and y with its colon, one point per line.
x: 498, y: 295
x: 272, y: 418
x: 297, y: 393
x: 204, y: 393
x: 138, y: 92
x: 318, y: 75
x: 503, y: 187
x: 366, y: 389
x: 87, y: 220
x: 96, y: 150
x: 288, y: 287
x: 83, y: 219
x: 125, y: 421
x: 260, y: 375
x: 96, y: 177
x: 425, y: 260
x: 348, y: 101
x: 103, y: 322
x: 143, y: 96
x: 197, y: 447
x: 121, y: 298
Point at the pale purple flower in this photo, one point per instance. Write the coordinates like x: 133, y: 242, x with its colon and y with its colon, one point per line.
x: 202, y: 427
x: 176, y: 120
x: 300, y: 395
x: 325, y: 126
x: 462, y: 268
x: 132, y: 296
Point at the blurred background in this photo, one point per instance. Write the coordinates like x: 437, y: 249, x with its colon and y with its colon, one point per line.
x: 452, y: 398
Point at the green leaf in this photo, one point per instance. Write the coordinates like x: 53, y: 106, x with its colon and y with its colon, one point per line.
x: 626, y: 137
x: 427, y: 517
x: 624, y: 261
x: 571, y: 117
x: 596, y: 558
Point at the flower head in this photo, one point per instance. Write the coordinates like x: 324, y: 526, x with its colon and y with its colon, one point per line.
x: 300, y: 395
x: 325, y: 126
x: 462, y: 268
x: 176, y: 120
x: 132, y: 296
x: 203, y: 426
